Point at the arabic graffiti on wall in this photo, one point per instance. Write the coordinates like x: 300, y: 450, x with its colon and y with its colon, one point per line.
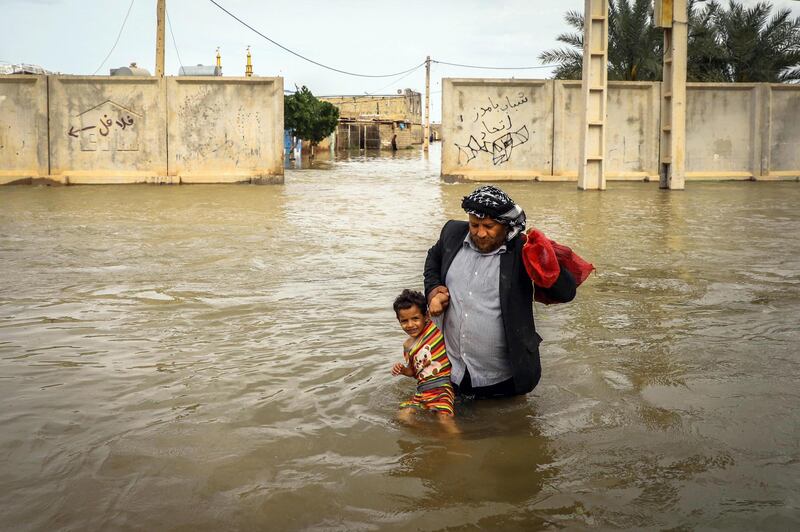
x: 106, y: 127
x: 497, y: 133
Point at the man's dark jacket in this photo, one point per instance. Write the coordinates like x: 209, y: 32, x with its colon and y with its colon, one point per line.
x: 516, y: 298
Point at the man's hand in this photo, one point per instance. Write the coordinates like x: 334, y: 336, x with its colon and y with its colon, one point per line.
x: 402, y: 369
x: 439, y: 301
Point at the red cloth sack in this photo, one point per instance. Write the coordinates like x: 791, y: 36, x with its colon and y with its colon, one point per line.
x: 542, y: 258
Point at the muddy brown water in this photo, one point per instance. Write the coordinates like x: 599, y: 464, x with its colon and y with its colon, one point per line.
x: 217, y: 357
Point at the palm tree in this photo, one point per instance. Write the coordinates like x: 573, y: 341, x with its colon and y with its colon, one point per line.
x: 733, y: 44
x: 570, y: 59
x: 634, y: 45
x: 706, y: 57
x: 758, y: 47
x: 637, y: 44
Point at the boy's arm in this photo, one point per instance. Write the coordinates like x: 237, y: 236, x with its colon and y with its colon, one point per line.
x: 404, y: 369
x: 401, y: 369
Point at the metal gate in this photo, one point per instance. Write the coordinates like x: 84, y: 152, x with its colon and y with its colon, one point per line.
x: 372, y: 139
x: 355, y: 136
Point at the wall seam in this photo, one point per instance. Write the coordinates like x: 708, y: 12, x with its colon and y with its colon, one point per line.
x: 167, y: 178
x: 553, y: 124
x: 47, y: 113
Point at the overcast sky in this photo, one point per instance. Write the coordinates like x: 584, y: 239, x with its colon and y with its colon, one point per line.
x: 360, y: 36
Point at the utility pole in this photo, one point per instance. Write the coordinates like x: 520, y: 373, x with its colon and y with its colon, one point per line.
x: 427, y: 141
x: 672, y: 16
x: 161, y: 11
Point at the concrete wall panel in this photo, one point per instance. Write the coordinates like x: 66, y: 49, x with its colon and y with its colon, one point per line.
x: 107, y: 129
x: 784, y: 139
x: 632, y: 124
x: 225, y: 129
x: 733, y: 130
x: 567, y: 130
x: 721, y: 131
x: 23, y: 128
x: 632, y: 130
x: 135, y: 129
x: 497, y: 129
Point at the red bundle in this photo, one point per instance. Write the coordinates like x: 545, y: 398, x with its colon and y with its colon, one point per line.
x: 542, y: 258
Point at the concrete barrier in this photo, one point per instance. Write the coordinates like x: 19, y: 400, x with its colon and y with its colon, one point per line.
x: 23, y: 128
x: 632, y: 124
x: 224, y: 130
x: 100, y: 129
x: 722, y: 131
x: 733, y: 131
x: 781, y: 134
x: 497, y: 129
x: 106, y: 130
x: 551, y: 154
x: 566, y: 130
x: 103, y: 129
x: 632, y: 134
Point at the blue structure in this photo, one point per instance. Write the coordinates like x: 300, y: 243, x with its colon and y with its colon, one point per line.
x: 288, y: 139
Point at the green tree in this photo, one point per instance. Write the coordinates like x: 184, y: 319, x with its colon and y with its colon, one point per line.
x: 637, y: 51
x: 757, y: 46
x: 733, y: 44
x: 634, y: 45
x: 569, y: 59
x: 310, y: 118
x: 705, y: 56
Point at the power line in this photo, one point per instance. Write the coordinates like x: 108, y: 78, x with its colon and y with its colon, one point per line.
x: 395, y: 81
x: 492, y: 67
x: 174, y: 42
x: 456, y: 64
x: 117, y: 41
x: 311, y: 60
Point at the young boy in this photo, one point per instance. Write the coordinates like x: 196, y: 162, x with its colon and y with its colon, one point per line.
x: 425, y: 359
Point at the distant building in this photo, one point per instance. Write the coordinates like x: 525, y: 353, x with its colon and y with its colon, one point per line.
x: 200, y: 70
x: 436, y: 131
x: 371, y: 121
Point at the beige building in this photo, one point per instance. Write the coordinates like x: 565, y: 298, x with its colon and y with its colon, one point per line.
x: 372, y: 121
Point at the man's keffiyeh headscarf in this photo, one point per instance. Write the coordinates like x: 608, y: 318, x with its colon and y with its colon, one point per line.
x: 492, y: 202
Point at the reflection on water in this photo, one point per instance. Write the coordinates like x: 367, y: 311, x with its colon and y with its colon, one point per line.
x: 217, y: 357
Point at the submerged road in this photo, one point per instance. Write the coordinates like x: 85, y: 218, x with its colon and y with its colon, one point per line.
x: 217, y: 357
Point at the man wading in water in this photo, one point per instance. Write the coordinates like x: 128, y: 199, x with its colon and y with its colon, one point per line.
x: 488, y: 305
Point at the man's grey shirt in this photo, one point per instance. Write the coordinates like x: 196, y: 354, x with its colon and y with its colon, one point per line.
x: 473, y: 324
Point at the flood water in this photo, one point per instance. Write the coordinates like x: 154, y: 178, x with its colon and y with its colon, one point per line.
x: 218, y: 357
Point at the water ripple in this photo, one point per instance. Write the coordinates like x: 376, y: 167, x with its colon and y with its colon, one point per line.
x: 218, y: 358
